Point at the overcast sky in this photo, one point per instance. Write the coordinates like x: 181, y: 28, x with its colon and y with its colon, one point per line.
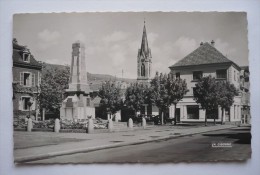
x: 112, y: 39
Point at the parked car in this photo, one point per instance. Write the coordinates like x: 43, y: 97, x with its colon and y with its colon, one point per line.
x: 158, y: 120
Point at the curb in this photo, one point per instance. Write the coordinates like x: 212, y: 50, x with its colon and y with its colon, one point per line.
x: 21, y: 160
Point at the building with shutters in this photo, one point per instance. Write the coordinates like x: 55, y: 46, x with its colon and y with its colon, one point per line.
x: 204, y: 61
x: 26, y: 81
x: 245, y: 94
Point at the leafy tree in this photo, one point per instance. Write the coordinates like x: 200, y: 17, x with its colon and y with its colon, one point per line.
x: 166, y: 90
x: 177, y: 88
x: 205, y: 93
x: 53, y: 84
x: 159, y: 93
x: 225, y: 96
x: 110, y: 95
x: 136, y: 96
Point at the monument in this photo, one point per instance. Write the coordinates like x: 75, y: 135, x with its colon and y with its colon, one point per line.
x: 78, y: 104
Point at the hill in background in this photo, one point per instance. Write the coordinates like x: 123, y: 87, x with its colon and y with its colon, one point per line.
x: 92, y: 78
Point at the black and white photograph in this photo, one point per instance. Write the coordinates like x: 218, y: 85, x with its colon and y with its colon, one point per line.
x: 130, y: 87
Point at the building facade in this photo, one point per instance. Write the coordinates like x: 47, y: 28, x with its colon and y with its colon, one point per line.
x: 245, y: 94
x: 204, y: 61
x: 26, y: 82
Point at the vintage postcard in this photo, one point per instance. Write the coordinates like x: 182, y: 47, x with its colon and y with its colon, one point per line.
x: 131, y: 87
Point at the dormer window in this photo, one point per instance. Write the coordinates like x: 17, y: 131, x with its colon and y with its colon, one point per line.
x: 26, y: 57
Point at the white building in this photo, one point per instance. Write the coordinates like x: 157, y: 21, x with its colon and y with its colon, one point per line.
x: 205, y: 60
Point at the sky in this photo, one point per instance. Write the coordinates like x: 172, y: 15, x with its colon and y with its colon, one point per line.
x: 112, y: 39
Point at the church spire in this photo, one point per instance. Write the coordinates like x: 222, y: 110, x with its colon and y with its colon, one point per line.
x: 144, y: 45
x: 144, y: 62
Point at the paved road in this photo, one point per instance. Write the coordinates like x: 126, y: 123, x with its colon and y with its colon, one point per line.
x: 188, y: 149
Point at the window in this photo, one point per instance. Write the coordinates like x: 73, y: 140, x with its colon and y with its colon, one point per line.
x: 193, y: 111
x: 25, y: 103
x: 234, y: 75
x: 193, y: 90
x: 27, y: 79
x: 143, y: 70
x: 221, y: 74
x: 197, y: 75
x: 177, y: 74
x: 26, y: 57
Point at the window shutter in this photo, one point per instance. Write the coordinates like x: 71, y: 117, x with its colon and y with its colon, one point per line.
x: 30, y: 80
x: 39, y: 80
x: 21, y: 78
x: 33, y: 79
x: 20, y: 107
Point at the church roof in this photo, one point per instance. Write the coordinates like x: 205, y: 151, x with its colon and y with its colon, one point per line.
x: 205, y: 54
x: 145, y: 50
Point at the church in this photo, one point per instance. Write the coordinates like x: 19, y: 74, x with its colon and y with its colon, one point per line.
x: 144, y: 60
x: 144, y: 70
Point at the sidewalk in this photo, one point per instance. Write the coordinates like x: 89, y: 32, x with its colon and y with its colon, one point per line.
x: 39, y: 145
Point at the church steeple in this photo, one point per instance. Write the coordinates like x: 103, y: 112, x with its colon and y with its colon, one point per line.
x: 144, y: 61
x: 144, y: 44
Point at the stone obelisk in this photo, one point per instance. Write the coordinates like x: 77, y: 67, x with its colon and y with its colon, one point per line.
x: 78, y: 74
x: 78, y: 103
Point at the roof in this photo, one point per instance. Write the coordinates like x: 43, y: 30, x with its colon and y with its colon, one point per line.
x: 18, y: 51
x: 144, y: 51
x: 205, y: 54
x: 245, y: 68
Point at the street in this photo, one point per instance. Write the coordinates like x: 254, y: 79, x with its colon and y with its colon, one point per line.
x: 194, y: 148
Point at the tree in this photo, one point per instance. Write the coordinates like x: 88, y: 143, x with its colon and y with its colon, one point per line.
x: 136, y: 96
x: 177, y: 89
x: 205, y: 93
x: 166, y: 90
x: 53, y: 84
x: 110, y: 95
x: 225, y: 96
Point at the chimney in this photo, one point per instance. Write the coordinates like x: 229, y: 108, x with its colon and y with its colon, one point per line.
x: 213, y: 43
x: 201, y: 43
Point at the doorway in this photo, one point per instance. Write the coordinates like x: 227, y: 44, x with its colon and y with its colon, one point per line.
x: 178, y: 114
